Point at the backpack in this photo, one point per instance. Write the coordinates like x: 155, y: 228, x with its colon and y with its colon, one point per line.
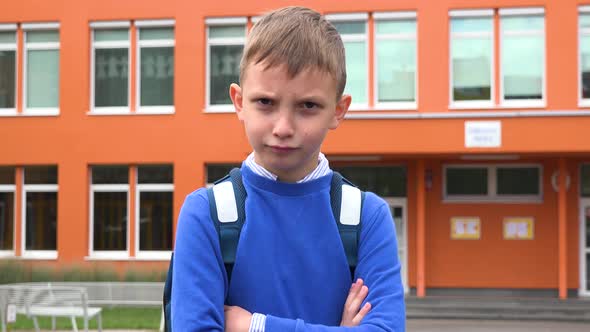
x: 227, y: 201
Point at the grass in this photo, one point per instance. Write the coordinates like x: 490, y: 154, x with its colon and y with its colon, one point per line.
x: 112, y: 318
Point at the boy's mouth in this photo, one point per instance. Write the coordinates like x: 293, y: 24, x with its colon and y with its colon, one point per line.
x: 281, y: 149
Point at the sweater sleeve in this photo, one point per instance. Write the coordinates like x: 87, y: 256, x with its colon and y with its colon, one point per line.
x: 199, y: 280
x: 379, y: 267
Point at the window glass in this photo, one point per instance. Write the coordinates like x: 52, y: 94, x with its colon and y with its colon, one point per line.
x: 8, y: 37
x: 522, y: 58
x: 396, y: 70
x: 518, y: 181
x: 155, y: 221
x: 7, y: 78
x: 466, y: 181
x: 7, y: 175
x: 157, y: 76
x: 585, y: 55
x: 585, y: 180
x: 111, y: 35
x: 110, y: 221
x: 356, y: 71
x: 154, y: 174
x: 224, y: 70
x: 42, y: 78
x: 42, y: 36
x: 395, y: 27
x: 347, y: 28
x: 110, y: 175
x: 471, y: 52
x: 41, y: 175
x: 156, y: 34
x: 216, y: 172
x: 41, y: 227
x: 385, y: 181
x: 111, y: 72
x: 6, y: 220
x: 230, y: 31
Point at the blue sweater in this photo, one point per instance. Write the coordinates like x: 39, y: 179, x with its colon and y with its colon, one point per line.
x: 290, y: 264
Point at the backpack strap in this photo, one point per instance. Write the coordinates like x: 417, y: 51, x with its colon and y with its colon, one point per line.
x: 347, y: 201
x: 227, y: 200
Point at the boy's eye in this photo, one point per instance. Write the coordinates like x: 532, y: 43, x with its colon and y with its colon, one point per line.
x: 264, y: 101
x: 309, y: 105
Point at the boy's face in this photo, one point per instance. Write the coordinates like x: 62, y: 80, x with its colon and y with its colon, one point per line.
x: 286, y: 119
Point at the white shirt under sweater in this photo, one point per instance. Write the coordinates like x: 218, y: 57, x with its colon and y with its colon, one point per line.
x: 323, y: 168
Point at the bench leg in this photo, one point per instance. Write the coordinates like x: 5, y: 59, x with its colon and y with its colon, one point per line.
x: 99, y: 319
x: 74, y: 324
x: 36, y: 323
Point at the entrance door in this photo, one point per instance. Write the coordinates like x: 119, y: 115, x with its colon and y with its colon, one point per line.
x: 398, y: 211
x: 585, y: 247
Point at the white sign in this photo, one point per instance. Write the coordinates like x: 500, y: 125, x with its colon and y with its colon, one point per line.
x: 483, y: 134
x: 11, y: 313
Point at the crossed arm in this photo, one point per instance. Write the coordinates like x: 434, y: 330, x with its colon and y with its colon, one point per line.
x: 239, y: 320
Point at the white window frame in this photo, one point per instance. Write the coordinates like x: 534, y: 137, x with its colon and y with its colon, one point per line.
x: 483, y: 13
x: 110, y: 110
x: 585, y: 32
x: 35, y: 254
x: 216, y: 22
x: 11, y: 47
x: 107, y: 254
x: 492, y: 196
x: 160, y: 109
x: 520, y: 12
x: 364, y: 37
x: 149, y: 254
x: 394, y: 16
x: 46, y: 46
x: 10, y: 188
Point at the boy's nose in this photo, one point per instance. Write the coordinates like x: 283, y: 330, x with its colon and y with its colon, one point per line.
x: 283, y: 126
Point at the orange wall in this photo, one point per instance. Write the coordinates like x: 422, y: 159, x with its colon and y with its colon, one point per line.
x: 190, y: 138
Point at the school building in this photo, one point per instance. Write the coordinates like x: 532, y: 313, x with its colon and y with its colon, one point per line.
x: 470, y: 117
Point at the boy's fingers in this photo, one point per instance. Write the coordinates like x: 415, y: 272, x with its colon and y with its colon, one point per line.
x: 362, y: 313
x: 354, y: 289
x: 359, y: 298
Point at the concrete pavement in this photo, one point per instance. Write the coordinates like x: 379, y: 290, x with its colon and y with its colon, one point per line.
x: 463, y: 325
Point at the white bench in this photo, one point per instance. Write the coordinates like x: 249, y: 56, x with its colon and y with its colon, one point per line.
x: 48, y: 300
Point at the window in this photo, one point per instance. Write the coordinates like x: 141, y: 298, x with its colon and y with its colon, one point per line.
x: 155, y: 81
x: 471, y: 57
x: 7, y: 205
x: 7, y: 68
x: 225, y: 44
x: 109, y: 213
x: 521, y: 62
x: 585, y: 181
x: 41, y: 88
x: 353, y: 30
x: 584, y: 46
x: 154, y: 206
x: 395, y: 59
x: 522, y: 34
x: 110, y: 67
x: 492, y: 183
x: 218, y: 171
x: 40, y: 212
x: 385, y: 181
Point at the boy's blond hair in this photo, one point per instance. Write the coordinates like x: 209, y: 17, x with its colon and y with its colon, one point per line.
x: 299, y: 38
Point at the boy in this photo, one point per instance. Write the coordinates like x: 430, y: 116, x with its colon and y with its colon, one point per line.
x: 291, y: 272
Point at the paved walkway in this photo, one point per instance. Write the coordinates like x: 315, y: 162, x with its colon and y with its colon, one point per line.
x: 461, y: 325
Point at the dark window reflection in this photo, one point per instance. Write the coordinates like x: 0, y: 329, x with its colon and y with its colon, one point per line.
x: 155, y: 221
x: 41, y: 227
x: 6, y: 220
x: 518, y: 181
x: 382, y: 180
x: 7, y: 175
x: 224, y: 70
x: 110, y: 175
x: 157, y: 76
x: 216, y: 172
x: 41, y: 175
x: 467, y: 181
x: 155, y: 174
x: 7, y: 78
x: 111, y: 71
x: 110, y: 221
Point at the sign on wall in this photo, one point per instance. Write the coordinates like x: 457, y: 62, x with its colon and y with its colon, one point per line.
x: 483, y: 134
x: 465, y: 228
x: 519, y: 228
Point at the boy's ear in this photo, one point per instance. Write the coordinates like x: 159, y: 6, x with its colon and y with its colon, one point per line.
x: 341, y: 108
x: 235, y: 93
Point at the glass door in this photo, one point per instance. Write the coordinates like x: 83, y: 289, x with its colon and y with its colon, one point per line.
x: 398, y: 211
x: 585, y: 247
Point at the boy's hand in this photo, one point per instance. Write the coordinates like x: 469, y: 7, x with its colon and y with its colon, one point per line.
x: 236, y: 319
x: 351, y: 315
